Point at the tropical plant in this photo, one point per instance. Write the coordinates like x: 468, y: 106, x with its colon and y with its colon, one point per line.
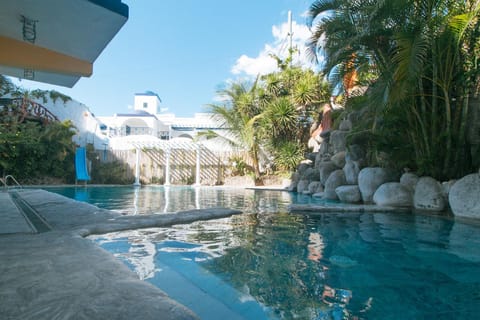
x: 29, y: 150
x: 419, y: 59
x: 240, y: 115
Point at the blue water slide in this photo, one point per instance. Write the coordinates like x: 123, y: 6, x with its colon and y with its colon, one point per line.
x: 81, y: 164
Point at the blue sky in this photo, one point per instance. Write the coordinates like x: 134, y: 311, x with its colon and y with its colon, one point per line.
x: 185, y: 50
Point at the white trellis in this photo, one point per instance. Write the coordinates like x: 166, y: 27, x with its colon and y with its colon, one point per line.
x: 166, y: 151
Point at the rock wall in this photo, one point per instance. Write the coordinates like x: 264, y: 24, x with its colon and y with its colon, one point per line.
x: 338, y: 173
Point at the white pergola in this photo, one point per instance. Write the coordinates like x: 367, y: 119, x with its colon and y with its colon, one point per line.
x: 168, y: 147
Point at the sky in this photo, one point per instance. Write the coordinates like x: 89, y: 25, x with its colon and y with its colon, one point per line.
x: 185, y: 50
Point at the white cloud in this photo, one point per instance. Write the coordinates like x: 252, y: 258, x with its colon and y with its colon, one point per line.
x: 263, y: 63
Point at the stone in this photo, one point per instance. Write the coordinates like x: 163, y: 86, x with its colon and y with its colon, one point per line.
x: 338, y: 159
x: 324, y: 148
x: 311, y: 174
x: 348, y: 194
x: 409, y: 180
x: 447, y: 186
x: 351, y: 170
x: 355, y: 152
x: 302, y: 167
x: 315, y: 187
x: 429, y: 195
x: 311, y: 156
x: 369, y: 179
x: 325, y: 169
x: 464, y: 196
x: 302, y: 185
x: 336, y: 179
x: 318, y: 195
x: 393, y: 194
x: 338, y: 141
x: 345, y: 125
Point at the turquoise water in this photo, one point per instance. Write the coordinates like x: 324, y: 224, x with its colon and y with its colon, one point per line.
x: 269, y: 264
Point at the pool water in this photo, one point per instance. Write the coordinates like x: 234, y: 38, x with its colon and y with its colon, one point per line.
x: 269, y: 264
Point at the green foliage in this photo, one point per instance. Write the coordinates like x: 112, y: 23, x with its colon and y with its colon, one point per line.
x: 276, y: 110
x: 111, y: 173
x: 30, y: 150
x: 239, y: 167
x: 419, y: 59
x: 6, y: 85
x: 288, y: 155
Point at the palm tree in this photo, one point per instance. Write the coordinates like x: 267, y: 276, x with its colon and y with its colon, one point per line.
x: 240, y: 114
x: 416, y: 56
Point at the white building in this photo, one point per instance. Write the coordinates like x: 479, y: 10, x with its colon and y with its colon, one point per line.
x: 147, y: 119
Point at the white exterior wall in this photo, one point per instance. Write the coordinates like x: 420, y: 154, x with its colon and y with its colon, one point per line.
x: 152, y: 102
x: 87, y: 125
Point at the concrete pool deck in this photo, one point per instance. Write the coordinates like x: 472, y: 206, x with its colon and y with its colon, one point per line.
x: 48, y: 270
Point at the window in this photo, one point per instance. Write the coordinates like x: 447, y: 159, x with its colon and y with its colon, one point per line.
x: 145, y: 105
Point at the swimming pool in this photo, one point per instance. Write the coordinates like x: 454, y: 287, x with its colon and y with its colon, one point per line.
x: 269, y: 264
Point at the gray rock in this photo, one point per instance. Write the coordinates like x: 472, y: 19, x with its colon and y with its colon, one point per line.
x: 345, y: 125
x: 351, y: 170
x: 464, y: 196
x: 318, y: 195
x: 311, y: 174
x: 336, y: 179
x: 325, y: 169
x: 339, y: 159
x: 302, y: 185
x: 338, y: 141
x: 315, y: 187
x: 393, y: 194
x: 348, y: 194
x: 429, y: 195
x: 409, y: 180
x: 355, y: 152
x: 369, y: 179
x: 324, y: 148
x: 447, y: 186
x: 311, y: 156
x: 302, y: 167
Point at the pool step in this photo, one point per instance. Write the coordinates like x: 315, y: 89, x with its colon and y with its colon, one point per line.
x: 37, y: 222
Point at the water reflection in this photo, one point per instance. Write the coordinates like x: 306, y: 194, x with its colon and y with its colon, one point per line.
x: 329, y: 266
x: 324, y: 266
x: 160, y: 199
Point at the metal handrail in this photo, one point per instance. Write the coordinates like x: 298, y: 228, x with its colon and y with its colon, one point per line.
x: 5, y: 182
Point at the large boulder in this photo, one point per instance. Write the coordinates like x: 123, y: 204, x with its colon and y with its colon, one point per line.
x: 409, y: 180
x: 348, y: 194
x: 351, y: 170
x: 311, y: 174
x: 315, y: 187
x: 393, y: 194
x: 338, y: 141
x: 339, y: 159
x: 464, y: 196
x: 302, y: 185
x: 369, y: 179
x: 326, y: 168
x: 429, y: 195
x: 336, y: 179
x: 302, y: 167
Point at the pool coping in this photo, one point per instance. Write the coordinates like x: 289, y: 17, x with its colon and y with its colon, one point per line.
x: 61, y: 274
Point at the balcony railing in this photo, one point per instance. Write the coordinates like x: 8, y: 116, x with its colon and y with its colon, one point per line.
x: 26, y: 109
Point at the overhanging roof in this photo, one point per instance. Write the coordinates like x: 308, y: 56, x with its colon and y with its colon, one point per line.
x: 56, y: 41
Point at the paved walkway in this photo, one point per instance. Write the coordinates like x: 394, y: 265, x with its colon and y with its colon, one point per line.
x: 60, y: 275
